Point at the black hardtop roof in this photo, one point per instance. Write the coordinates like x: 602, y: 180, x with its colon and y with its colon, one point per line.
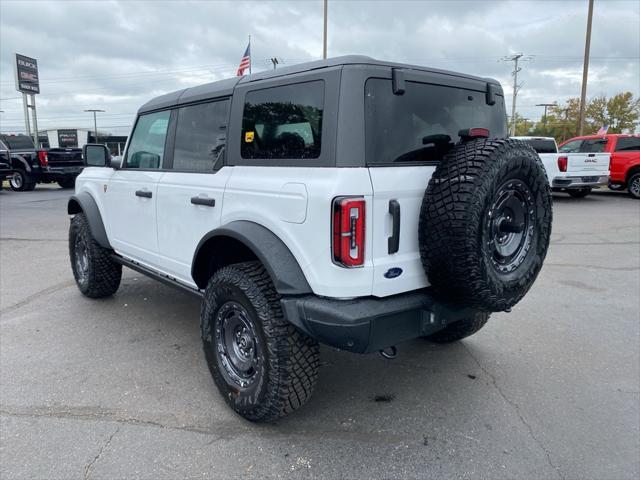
x: 223, y: 88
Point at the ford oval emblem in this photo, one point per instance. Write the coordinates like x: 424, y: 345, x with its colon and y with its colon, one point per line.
x: 393, y: 272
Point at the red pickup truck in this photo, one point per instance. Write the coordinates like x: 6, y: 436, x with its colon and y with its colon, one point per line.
x: 625, y: 157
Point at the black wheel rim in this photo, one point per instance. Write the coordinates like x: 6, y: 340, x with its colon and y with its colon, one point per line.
x: 237, y: 345
x: 510, y: 224
x: 82, y: 259
x: 634, y: 188
x: 16, y: 180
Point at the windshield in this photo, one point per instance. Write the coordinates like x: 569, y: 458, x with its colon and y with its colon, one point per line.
x: 18, y: 142
x: 542, y: 145
x: 422, y: 124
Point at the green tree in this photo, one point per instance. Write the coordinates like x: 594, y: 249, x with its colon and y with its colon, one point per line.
x: 524, y: 126
x: 623, y: 112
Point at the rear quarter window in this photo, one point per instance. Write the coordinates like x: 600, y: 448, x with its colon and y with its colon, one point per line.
x: 422, y: 125
x: 283, y: 122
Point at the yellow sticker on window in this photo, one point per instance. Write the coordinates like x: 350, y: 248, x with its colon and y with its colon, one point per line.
x: 248, y: 137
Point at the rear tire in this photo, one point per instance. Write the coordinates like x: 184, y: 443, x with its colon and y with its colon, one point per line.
x: 262, y: 365
x: 634, y: 186
x: 460, y: 329
x: 96, y: 273
x: 485, y: 224
x: 579, y: 192
x: 67, y: 183
x: 22, y: 181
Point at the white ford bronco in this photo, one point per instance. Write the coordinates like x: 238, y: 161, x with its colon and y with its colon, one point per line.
x: 349, y: 202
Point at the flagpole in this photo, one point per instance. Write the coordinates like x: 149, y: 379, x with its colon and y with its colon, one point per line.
x: 250, y: 62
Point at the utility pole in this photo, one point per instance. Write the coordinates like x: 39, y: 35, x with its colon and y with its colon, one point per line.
x: 515, y: 59
x: 324, y: 38
x: 95, y: 123
x: 585, y: 70
x: 275, y: 61
x: 545, y: 105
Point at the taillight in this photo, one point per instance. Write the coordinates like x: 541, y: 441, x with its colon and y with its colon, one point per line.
x: 43, y: 158
x: 562, y: 163
x: 348, y: 231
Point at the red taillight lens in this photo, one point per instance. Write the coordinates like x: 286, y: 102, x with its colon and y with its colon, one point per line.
x: 43, y: 158
x: 562, y: 163
x: 348, y: 231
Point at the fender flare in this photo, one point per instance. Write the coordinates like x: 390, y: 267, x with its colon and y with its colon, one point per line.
x: 18, y: 161
x: 282, y: 266
x: 84, y: 203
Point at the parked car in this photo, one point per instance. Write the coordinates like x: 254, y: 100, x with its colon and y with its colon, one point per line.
x: 347, y: 201
x: 625, y: 157
x: 576, y: 173
x: 31, y: 166
x: 5, y: 171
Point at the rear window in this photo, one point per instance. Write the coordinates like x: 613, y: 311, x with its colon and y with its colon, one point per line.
x: 283, y: 122
x: 422, y: 125
x: 595, y: 145
x: 541, y: 145
x: 18, y: 142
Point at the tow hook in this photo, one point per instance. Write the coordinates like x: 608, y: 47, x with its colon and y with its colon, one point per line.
x: 389, y: 353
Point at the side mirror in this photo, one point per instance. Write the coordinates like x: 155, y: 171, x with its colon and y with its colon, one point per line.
x: 96, y: 155
x: 116, y: 163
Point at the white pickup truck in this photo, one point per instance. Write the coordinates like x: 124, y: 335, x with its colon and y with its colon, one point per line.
x: 571, y: 171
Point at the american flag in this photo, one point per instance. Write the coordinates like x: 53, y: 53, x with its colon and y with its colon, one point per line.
x: 245, y: 62
x: 603, y: 130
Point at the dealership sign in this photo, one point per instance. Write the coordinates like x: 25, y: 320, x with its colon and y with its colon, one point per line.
x: 27, y: 80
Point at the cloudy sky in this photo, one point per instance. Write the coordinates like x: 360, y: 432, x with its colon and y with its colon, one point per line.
x: 115, y: 55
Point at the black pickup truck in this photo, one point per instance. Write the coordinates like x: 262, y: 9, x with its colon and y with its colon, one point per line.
x: 31, y: 166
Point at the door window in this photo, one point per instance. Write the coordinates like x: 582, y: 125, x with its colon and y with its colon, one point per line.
x: 283, y: 122
x: 146, y: 148
x: 200, y: 136
x: 628, y: 144
x: 571, y: 147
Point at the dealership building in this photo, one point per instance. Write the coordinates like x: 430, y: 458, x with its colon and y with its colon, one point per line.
x: 79, y: 137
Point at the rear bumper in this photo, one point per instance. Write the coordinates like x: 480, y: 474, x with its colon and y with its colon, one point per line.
x: 580, y: 182
x: 55, y: 173
x: 369, y: 324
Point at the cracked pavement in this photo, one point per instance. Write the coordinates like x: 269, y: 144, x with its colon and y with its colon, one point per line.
x: 118, y: 388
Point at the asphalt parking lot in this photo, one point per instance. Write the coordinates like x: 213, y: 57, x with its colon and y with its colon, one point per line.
x: 119, y: 387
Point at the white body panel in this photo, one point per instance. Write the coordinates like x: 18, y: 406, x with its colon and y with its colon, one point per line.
x: 405, y: 185
x: 276, y: 197
x: 578, y: 165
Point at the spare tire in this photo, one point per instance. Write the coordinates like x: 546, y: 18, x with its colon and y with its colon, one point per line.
x: 485, y: 224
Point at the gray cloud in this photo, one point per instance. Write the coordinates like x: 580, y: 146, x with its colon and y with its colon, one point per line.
x: 116, y: 55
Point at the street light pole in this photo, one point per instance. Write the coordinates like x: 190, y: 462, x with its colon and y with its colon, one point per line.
x: 324, y: 38
x: 585, y: 70
x: 95, y: 122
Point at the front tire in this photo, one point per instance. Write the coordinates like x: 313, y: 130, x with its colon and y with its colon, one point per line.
x: 262, y: 365
x: 22, y: 181
x: 579, y: 192
x: 460, y: 329
x: 634, y: 186
x: 96, y: 273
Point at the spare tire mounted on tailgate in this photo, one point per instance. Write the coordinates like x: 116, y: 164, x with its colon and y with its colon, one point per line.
x: 485, y: 223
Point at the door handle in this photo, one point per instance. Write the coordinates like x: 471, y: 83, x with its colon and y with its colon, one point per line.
x: 144, y: 193
x: 207, y: 202
x: 394, y: 239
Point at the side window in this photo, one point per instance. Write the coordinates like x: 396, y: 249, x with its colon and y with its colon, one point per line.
x: 146, y: 148
x: 593, y: 146
x: 283, y: 122
x: 200, y: 136
x: 628, y: 144
x: 571, y: 147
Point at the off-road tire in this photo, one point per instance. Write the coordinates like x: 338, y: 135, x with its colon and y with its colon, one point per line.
x: 23, y: 182
x: 102, y: 275
x: 579, y: 192
x: 633, y: 185
x: 287, y: 359
x: 460, y: 329
x: 457, y: 236
x: 67, y: 183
